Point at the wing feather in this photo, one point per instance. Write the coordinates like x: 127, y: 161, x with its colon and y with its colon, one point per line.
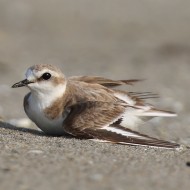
x: 129, y: 137
x: 104, y: 81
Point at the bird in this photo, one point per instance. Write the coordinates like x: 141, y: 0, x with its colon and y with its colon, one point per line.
x: 89, y: 107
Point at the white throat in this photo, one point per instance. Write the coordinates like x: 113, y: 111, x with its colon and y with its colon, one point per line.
x: 46, y: 97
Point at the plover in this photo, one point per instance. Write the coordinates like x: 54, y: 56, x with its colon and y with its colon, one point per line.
x: 88, y: 107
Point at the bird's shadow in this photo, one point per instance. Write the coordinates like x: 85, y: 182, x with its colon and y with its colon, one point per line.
x: 5, y: 125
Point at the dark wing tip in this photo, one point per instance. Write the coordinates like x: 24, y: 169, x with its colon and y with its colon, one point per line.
x: 132, y: 81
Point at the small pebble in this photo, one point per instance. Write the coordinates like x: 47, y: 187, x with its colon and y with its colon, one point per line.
x: 35, y: 151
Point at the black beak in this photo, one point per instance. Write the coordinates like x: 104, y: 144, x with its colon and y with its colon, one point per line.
x: 21, y: 83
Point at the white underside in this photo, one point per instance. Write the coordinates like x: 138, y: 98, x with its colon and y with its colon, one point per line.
x: 36, y: 113
x: 52, y: 127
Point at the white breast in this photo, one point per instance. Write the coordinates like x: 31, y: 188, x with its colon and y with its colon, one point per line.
x: 36, y: 114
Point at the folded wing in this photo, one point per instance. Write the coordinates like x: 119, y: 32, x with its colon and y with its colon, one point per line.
x: 99, y: 120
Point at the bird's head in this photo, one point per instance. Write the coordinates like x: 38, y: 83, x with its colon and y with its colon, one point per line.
x: 43, y: 79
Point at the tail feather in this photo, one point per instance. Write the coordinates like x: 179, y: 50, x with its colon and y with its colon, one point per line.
x: 157, y: 113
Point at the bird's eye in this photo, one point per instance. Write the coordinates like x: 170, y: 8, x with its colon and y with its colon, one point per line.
x: 46, y: 76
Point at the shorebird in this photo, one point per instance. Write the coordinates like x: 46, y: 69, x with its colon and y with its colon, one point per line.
x: 88, y: 107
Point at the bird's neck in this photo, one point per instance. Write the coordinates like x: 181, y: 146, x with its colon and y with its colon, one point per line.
x: 46, y: 98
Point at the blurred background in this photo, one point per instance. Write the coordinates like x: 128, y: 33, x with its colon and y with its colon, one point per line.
x: 120, y: 39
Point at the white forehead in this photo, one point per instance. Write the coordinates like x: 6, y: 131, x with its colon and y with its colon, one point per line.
x: 32, y: 74
x: 29, y: 74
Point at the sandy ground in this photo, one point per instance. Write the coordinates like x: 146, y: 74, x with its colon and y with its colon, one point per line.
x: 117, y: 39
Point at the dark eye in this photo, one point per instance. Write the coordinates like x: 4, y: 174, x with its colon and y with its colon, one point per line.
x: 46, y: 76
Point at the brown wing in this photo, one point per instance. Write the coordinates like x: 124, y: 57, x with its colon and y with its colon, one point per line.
x: 103, y: 81
x: 91, y: 115
x: 99, y: 120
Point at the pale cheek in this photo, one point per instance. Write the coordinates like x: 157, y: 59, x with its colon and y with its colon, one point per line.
x: 47, y: 88
x: 33, y: 86
x: 42, y: 87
